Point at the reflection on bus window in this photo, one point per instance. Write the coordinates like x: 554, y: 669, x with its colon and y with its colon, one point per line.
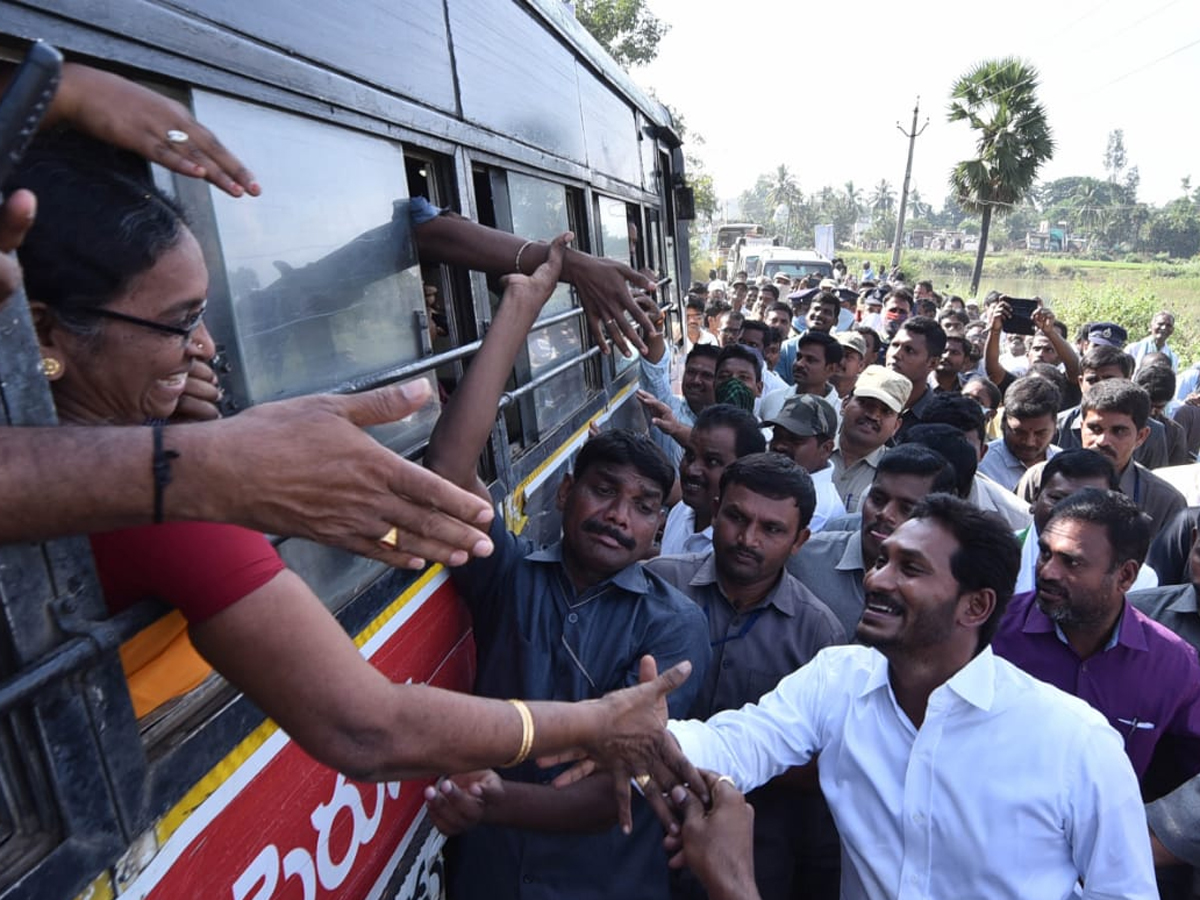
x: 618, y: 235
x: 539, y: 211
x: 323, y: 283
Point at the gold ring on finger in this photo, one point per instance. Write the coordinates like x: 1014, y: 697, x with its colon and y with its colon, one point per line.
x: 641, y: 781
x: 175, y: 136
x: 391, y: 540
x: 728, y: 780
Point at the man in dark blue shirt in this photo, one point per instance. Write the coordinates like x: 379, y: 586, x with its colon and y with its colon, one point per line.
x: 569, y: 622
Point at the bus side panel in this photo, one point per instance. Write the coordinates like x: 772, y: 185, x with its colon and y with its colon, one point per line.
x: 280, y: 824
x: 385, y: 44
x: 516, y: 78
x: 611, y: 131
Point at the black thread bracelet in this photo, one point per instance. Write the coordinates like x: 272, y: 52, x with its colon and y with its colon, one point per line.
x: 161, y: 469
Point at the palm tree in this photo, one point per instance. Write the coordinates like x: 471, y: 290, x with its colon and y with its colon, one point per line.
x: 884, y: 198
x: 999, y: 99
x: 853, y: 196
x: 786, y: 193
x: 920, y: 209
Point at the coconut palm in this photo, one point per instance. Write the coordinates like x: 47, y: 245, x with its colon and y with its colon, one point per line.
x: 999, y: 99
x: 884, y: 198
x: 920, y: 209
x: 785, y: 193
x: 853, y: 196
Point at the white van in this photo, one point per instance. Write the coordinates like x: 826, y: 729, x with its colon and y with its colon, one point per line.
x: 793, y: 263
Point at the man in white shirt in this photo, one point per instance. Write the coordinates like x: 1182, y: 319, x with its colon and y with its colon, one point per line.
x: 1162, y: 326
x: 818, y: 357
x: 949, y: 772
x: 803, y: 431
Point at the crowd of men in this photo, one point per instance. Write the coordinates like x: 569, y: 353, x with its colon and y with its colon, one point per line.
x: 905, y: 539
x: 940, y: 612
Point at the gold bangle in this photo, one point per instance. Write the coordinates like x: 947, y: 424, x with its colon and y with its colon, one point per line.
x: 526, y: 734
x: 517, y: 264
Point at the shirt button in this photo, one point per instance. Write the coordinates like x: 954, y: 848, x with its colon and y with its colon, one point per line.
x: 528, y: 879
x: 919, y: 818
x: 573, y: 618
x: 727, y: 664
x: 912, y: 879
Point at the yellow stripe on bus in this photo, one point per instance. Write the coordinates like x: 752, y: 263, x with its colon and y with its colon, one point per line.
x: 204, y: 788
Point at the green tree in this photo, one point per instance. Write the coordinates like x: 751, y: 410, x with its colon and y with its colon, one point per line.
x: 883, y: 200
x: 853, y: 196
x: 1175, y: 229
x: 784, y: 196
x: 998, y: 99
x: 625, y: 28
x: 1114, y: 155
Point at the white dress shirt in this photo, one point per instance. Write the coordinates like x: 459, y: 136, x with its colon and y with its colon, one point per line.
x: 680, y: 535
x: 829, y: 503
x: 1009, y: 790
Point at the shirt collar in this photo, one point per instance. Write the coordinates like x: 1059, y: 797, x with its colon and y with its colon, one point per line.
x: 631, y: 578
x: 780, y: 597
x: 1185, y: 602
x: 975, y: 682
x: 852, y: 556
x: 1128, y: 632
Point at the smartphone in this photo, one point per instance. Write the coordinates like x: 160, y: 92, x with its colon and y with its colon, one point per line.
x: 25, y: 102
x: 1021, y: 320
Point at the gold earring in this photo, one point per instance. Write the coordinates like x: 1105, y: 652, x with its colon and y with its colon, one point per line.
x: 51, y: 367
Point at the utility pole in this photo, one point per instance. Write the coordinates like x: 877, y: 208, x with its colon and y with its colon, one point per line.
x: 912, y: 140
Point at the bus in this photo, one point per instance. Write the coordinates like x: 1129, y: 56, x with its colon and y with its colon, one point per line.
x: 504, y: 110
x: 727, y: 236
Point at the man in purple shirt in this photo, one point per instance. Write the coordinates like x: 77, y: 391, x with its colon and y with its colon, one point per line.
x: 1078, y: 632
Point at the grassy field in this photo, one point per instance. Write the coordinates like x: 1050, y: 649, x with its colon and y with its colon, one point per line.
x: 1079, y: 290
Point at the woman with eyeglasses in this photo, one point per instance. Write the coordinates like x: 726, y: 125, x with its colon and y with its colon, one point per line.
x: 116, y: 283
x: 117, y: 286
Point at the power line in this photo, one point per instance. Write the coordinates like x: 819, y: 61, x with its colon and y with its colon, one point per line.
x: 1139, y: 69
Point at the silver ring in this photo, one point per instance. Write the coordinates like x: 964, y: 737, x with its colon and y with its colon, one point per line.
x: 175, y: 136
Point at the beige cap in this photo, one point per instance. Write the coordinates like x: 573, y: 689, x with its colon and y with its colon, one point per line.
x: 828, y: 284
x: 852, y: 340
x: 888, y: 387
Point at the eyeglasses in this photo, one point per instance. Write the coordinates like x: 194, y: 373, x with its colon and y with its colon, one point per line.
x: 184, y: 330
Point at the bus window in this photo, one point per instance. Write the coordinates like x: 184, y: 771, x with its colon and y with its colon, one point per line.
x: 620, y: 232
x: 540, y: 210
x: 321, y: 270
x: 449, y: 309
x: 621, y: 238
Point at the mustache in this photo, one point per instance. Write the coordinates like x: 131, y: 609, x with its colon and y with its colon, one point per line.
x: 593, y: 527
x: 746, y: 551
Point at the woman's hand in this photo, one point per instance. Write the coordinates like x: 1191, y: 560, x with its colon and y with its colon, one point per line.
x: 120, y: 112
x: 200, y: 396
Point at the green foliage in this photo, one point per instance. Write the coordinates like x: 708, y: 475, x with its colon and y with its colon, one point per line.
x: 625, y: 28
x: 1176, y: 229
x: 998, y: 99
x: 1131, y: 306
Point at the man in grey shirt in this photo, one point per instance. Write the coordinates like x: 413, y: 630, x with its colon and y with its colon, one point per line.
x: 832, y: 563
x: 763, y: 625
